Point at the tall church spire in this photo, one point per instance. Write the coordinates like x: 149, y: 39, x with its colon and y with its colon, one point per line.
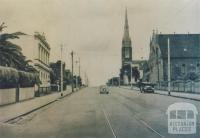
x: 126, y: 28
x: 126, y: 36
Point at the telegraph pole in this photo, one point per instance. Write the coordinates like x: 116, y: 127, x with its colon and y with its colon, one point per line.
x: 158, y: 69
x: 131, y: 75
x: 61, y: 71
x: 169, y: 73
x: 79, y: 71
x: 76, y: 76
x: 119, y: 80
x: 72, y: 80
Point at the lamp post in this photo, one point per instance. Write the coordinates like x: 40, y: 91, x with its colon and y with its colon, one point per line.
x: 119, y: 80
x: 131, y: 75
x: 61, y: 71
x: 169, y: 73
x: 79, y: 70
x: 72, y: 80
x: 76, y: 75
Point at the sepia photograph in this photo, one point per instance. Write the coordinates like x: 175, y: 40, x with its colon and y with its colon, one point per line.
x: 99, y: 69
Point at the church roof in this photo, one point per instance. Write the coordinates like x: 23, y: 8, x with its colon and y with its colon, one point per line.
x: 126, y: 36
x: 181, y: 45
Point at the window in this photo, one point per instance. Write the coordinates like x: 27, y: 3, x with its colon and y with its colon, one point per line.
x: 173, y: 114
x: 183, y: 69
x: 190, y: 114
x: 127, y: 53
x: 181, y: 114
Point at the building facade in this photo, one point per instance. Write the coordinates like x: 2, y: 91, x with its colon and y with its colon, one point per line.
x: 41, y: 61
x: 184, y: 56
x: 36, y: 49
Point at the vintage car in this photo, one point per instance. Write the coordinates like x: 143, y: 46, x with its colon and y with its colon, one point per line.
x: 104, y: 89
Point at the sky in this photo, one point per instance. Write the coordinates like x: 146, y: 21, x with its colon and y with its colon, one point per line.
x: 93, y: 29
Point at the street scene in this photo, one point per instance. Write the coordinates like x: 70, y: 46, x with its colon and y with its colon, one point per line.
x: 99, y: 69
x: 122, y: 113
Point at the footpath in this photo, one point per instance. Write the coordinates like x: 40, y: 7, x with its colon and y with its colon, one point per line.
x: 11, y: 111
x: 191, y: 96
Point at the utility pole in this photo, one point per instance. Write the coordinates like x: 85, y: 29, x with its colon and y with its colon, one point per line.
x: 76, y: 76
x: 61, y: 71
x: 119, y: 80
x: 85, y: 79
x: 72, y: 80
x: 158, y: 69
x: 79, y: 70
x: 169, y: 73
x: 131, y: 75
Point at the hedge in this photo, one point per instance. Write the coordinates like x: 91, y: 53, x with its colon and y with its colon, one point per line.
x: 11, y: 78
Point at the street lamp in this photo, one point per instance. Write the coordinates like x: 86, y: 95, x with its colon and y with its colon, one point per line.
x: 61, y: 71
x: 119, y: 80
x: 131, y: 75
x: 76, y: 74
x: 169, y: 73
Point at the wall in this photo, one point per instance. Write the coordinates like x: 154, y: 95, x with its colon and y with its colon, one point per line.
x: 7, y: 96
x: 26, y: 93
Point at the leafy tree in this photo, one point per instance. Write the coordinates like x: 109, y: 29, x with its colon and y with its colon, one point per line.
x: 192, y: 76
x: 136, y: 73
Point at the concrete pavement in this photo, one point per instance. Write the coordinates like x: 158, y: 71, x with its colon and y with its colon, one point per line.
x: 185, y: 95
x: 13, y: 110
x: 88, y: 114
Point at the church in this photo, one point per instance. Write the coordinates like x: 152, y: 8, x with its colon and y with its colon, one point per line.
x: 131, y: 70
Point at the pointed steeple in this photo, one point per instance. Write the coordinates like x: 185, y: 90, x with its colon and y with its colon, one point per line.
x: 126, y: 36
x: 126, y: 27
x: 126, y: 44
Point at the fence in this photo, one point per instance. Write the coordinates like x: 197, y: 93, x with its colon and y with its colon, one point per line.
x: 180, y: 86
x: 13, y: 95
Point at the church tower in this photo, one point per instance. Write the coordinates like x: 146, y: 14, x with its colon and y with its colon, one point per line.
x: 126, y: 44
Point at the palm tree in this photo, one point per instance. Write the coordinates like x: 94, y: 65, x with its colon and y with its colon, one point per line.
x: 11, y: 54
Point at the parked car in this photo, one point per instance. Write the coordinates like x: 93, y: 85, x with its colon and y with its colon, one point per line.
x: 104, y: 89
x: 148, y: 88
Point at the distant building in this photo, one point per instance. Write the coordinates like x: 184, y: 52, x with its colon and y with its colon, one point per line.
x: 56, y: 72
x: 184, y: 55
x: 128, y: 63
x: 140, y: 66
x: 36, y: 49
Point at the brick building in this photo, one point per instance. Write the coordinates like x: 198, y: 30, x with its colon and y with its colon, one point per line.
x: 184, y: 55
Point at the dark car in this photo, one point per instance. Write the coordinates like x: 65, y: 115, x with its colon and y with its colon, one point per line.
x: 148, y: 89
x: 104, y: 89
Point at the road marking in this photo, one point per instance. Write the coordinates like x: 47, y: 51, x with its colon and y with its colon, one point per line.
x: 108, y: 122
x: 144, y: 123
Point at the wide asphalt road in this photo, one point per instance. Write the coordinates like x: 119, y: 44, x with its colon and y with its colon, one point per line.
x: 87, y: 114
